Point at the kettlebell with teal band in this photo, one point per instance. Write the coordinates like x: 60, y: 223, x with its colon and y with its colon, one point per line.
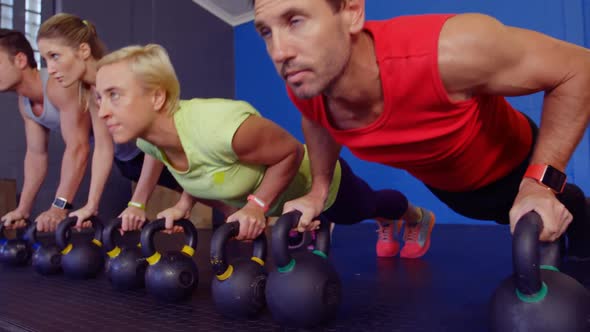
x: 304, y: 289
x: 238, y: 288
x: 537, y: 297
x: 173, y: 276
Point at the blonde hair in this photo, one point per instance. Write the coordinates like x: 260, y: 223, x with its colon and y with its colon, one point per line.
x: 74, y: 31
x: 152, y: 67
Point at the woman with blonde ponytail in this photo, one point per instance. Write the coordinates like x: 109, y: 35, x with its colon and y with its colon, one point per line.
x: 71, y: 48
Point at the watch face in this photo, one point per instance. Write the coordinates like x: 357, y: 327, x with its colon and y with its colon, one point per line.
x: 554, y: 178
x: 59, y: 203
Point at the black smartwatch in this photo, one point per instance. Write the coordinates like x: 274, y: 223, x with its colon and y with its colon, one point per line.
x: 61, y: 203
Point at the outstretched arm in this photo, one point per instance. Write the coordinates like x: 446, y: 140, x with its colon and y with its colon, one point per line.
x: 479, y: 55
x: 259, y: 141
x: 323, y: 154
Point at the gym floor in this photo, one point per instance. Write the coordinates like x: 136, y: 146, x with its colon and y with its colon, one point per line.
x: 446, y: 290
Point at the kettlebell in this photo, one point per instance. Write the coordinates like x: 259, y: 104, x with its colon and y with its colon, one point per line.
x: 238, y: 288
x: 304, y: 290
x: 300, y: 241
x: 126, y: 266
x: 84, y: 260
x: 171, y: 277
x: 14, y: 252
x: 46, y: 258
x: 537, y: 297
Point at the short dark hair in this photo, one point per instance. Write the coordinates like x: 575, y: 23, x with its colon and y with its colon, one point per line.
x: 15, y: 42
x: 335, y: 4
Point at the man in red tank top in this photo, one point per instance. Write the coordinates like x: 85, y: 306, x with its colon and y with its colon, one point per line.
x: 425, y: 94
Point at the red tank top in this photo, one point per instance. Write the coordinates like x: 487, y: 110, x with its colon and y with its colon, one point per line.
x: 452, y: 146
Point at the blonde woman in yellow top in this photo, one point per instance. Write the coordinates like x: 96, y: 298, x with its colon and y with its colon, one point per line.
x: 223, y: 150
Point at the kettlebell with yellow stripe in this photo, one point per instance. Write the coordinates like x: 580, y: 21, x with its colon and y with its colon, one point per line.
x: 238, y: 288
x: 84, y: 260
x: 126, y: 265
x: 173, y: 276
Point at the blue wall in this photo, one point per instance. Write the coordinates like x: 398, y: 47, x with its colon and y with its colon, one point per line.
x: 258, y: 83
x: 586, y: 20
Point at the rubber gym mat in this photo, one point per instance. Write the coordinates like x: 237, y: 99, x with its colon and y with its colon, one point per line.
x: 446, y: 290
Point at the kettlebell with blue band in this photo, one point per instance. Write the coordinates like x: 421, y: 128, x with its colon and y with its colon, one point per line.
x: 14, y: 252
x: 46, y: 257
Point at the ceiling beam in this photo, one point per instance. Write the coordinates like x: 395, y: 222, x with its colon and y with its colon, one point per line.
x: 228, y: 18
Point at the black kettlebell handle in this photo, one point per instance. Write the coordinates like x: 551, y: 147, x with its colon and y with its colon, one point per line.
x: 62, y: 233
x: 148, y: 249
x: 219, y: 240
x: 3, y: 237
x: 280, y: 234
x: 31, y: 236
x: 529, y: 254
x: 108, y: 237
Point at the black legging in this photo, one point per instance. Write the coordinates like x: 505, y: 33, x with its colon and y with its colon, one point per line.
x: 357, y: 201
x: 494, y: 201
x: 131, y: 169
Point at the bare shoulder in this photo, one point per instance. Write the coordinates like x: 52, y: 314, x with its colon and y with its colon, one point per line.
x: 479, y: 54
x: 469, y: 18
x: 470, y: 48
x: 470, y: 24
x: 471, y: 32
x: 487, y: 38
